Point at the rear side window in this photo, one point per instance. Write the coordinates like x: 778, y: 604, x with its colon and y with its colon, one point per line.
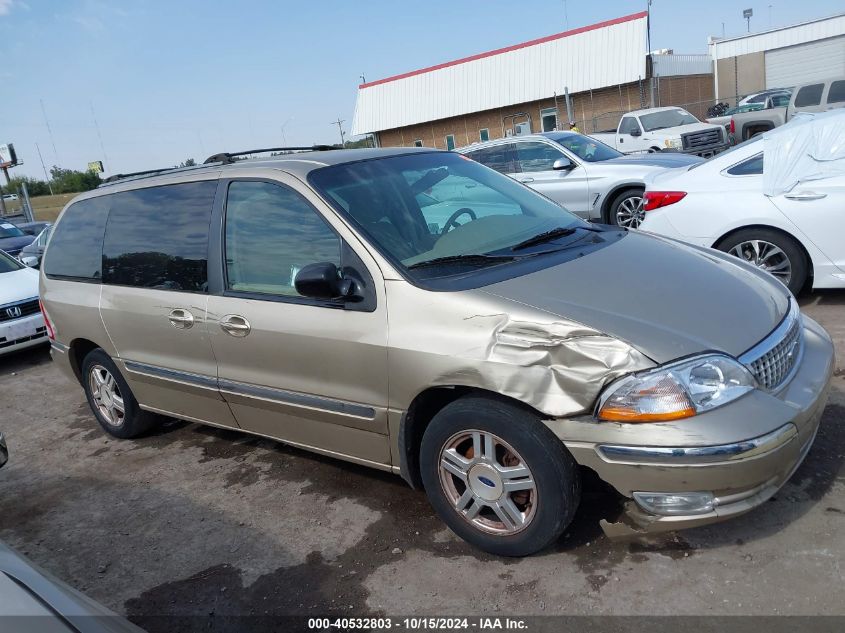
x: 809, y: 96
x: 749, y: 167
x: 158, y: 237
x: 76, y: 247
x: 499, y: 157
x: 836, y: 94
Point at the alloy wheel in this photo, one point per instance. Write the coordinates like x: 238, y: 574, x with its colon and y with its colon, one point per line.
x: 629, y: 213
x: 106, y: 395
x: 487, y: 482
x: 766, y: 256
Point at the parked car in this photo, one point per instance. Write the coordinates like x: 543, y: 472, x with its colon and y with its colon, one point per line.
x: 581, y: 174
x: 774, y: 100
x: 315, y: 299
x: 32, y: 228
x: 763, y: 96
x: 818, y: 96
x: 795, y: 232
x: 21, y: 323
x: 12, y: 239
x: 31, y: 599
x: 660, y: 129
x: 31, y: 254
x: 10, y: 197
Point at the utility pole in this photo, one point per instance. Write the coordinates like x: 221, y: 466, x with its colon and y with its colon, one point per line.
x: 339, y: 123
x: 46, y: 177
x: 49, y: 131
x: 99, y: 136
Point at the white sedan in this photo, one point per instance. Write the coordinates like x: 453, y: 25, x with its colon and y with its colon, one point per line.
x: 790, y: 222
x: 21, y: 323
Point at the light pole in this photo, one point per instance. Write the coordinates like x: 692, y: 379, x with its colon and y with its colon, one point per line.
x: 339, y: 124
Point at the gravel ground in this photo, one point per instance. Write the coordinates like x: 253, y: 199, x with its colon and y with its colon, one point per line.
x: 198, y: 521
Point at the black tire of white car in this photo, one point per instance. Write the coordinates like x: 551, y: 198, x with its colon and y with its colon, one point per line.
x: 618, y: 201
x: 133, y: 421
x: 790, y: 248
x: 546, y: 498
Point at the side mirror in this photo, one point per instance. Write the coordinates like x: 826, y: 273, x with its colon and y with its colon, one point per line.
x: 4, y: 452
x: 30, y: 261
x: 563, y: 164
x: 636, y: 132
x: 324, y: 281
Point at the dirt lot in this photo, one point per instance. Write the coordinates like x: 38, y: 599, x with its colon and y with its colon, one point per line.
x: 205, y: 522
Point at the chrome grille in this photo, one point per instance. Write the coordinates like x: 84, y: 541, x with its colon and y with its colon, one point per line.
x: 773, y: 367
x: 19, y: 310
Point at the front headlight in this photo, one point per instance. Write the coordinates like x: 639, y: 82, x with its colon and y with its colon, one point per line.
x: 676, y: 391
x: 673, y: 143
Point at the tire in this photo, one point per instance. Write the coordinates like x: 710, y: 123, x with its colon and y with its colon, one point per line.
x: 741, y: 244
x: 624, y: 199
x: 132, y: 421
x: 544, y: 502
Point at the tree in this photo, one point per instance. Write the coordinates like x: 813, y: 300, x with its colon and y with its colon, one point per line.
x: 72, y: 181
x: 34, y: 186
x: 188, y: 163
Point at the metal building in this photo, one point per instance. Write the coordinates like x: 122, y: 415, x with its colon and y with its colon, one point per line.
x: 779, y: 58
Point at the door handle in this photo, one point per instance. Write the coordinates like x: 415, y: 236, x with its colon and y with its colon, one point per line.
x: 181, y: 319
x: 805, y: 195
x: 235, y: 325
x: 526, y: 180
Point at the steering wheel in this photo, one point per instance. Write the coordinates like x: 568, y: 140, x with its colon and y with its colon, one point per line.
x: 451, y: 221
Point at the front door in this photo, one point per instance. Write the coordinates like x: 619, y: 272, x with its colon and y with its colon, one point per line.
x: 306, y: 371
x: 568, y: 187
x: 154, y: 298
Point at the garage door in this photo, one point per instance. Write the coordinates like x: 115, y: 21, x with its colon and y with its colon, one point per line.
x: 814, y: 61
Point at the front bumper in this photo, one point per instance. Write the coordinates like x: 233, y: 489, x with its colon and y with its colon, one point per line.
x: 742, y: 453
x: 22, y: 333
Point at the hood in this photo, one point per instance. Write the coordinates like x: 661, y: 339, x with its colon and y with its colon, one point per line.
x: 656, y: 159
x: 15, y: 244
x: 664, y: 298
x: 18, y: 285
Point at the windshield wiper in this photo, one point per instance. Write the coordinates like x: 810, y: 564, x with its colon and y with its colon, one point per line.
x: 463, y: 259
x: 548, y: 236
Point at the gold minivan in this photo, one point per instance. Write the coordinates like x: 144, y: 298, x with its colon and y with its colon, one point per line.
x: 417, y: 312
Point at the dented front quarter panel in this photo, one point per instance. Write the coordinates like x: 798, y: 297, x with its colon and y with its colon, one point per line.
x: 470, y: 338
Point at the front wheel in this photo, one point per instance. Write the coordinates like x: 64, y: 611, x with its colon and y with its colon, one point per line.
x: 498, y: 477
x: 772, y: 251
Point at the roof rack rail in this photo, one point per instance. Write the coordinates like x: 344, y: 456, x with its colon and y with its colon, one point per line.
x: 229, y: 157
x: 149, y: 172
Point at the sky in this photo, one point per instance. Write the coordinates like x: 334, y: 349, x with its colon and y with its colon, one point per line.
x: 144, y: 85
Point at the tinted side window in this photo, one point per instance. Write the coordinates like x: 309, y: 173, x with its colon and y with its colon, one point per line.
x: 809, y: 96
x: 271, y: 233
x: 498, y: 157
x: 749, y: 167
x: 629, y: 124
x: 76, y: 248
x: 836, y: 94
x: 536, y: 156
x: 158, y: 237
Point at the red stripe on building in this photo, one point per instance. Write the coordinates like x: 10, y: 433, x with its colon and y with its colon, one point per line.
x: 507, y: 49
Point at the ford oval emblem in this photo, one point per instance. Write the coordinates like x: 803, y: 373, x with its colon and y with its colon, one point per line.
x: 487, y: 482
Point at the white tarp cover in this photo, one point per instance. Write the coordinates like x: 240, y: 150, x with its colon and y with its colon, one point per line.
x: 810, y: 147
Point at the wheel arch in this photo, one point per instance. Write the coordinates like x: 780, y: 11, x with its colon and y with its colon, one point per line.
x: 78, y: 349
x: 422, y: 410
x: 762, y: 124
x: 610, y: 196
x: 776, y: 229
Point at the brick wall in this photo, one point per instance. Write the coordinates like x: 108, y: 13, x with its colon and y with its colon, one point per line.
x: 585, y: 106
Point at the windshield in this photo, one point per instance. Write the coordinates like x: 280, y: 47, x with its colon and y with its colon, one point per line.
x: 588, y: 149
x: 10, y: 230
x: 418, y: 208
x: 8, y: 264
x: 666, y: 118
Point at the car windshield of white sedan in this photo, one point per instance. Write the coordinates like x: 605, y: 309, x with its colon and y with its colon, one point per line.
x: 423, y: 207
x: 588, y: 149
x: 666, y: 119
x: 8, y: 264
x: 10, y: 230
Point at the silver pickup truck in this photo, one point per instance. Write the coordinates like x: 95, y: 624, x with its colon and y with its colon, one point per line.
x: 813, y: 97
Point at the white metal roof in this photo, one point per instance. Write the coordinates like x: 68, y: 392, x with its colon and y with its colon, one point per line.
x: 595, y: 56
x: 779, y: 38
x: 671, y: 65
